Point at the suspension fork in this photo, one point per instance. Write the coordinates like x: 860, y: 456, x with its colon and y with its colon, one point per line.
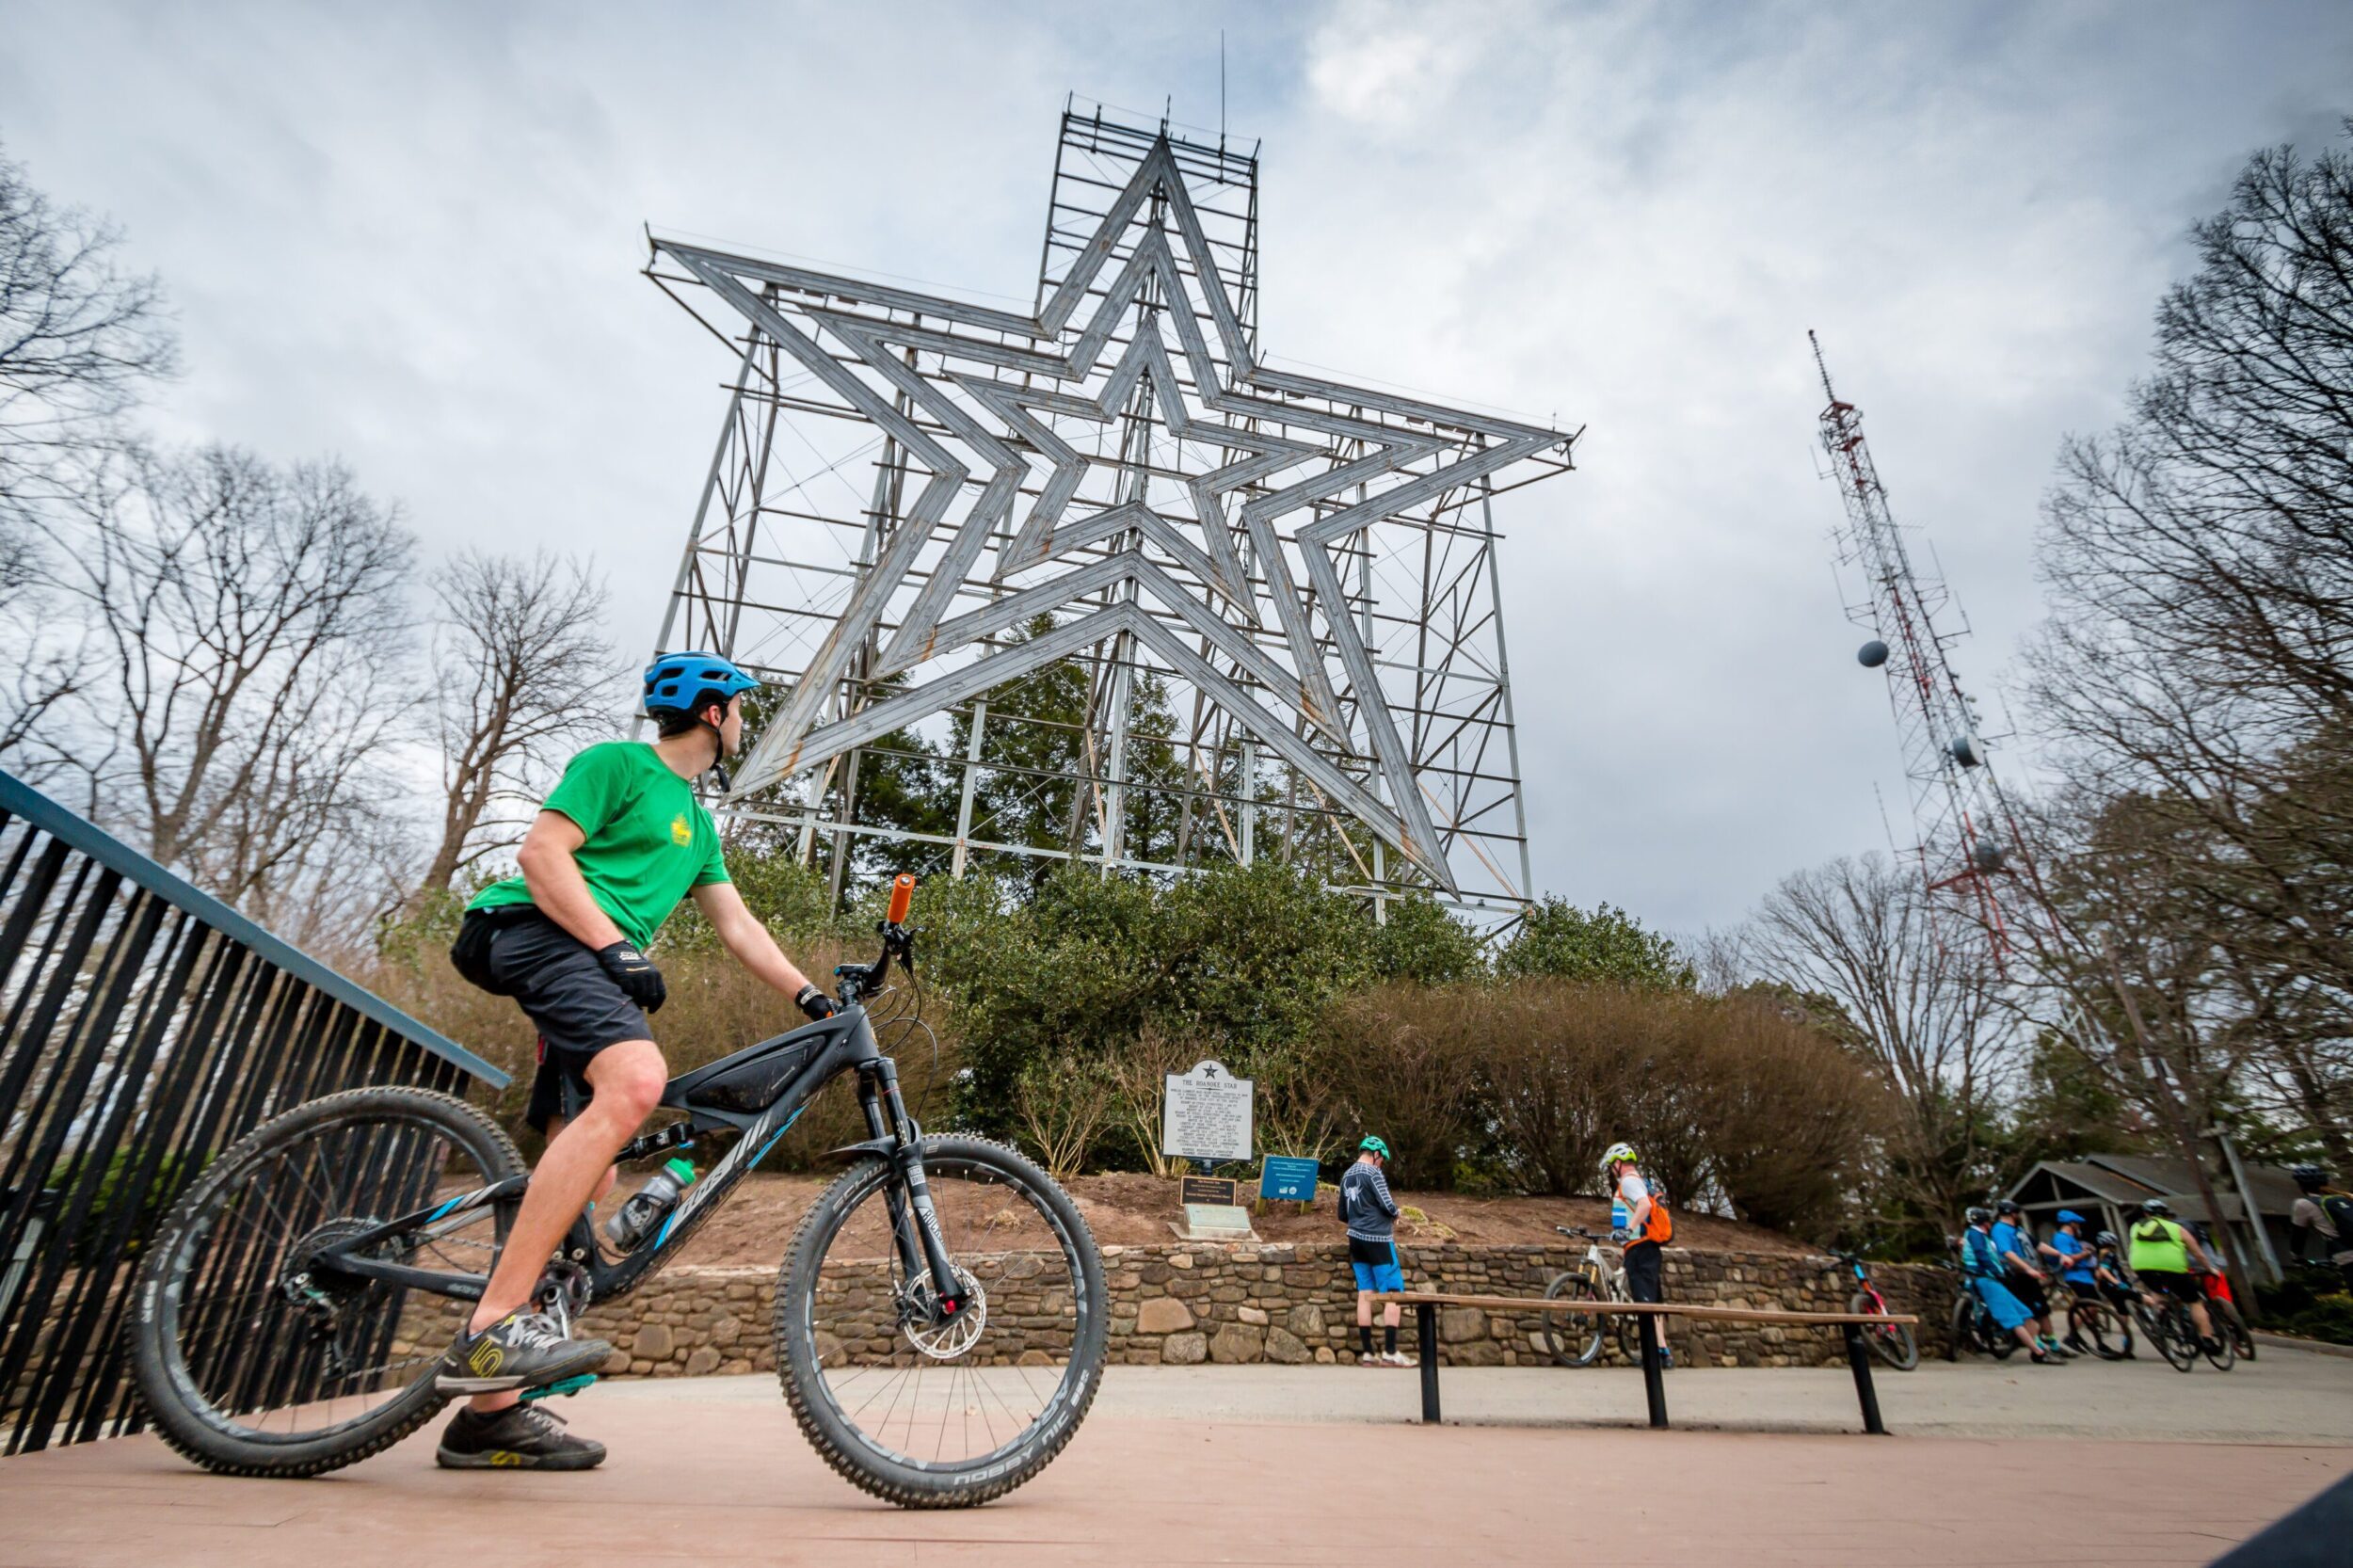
x: 914, y: 1221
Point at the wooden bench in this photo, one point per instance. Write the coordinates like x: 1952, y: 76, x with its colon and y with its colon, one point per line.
x: 1426, y: 1305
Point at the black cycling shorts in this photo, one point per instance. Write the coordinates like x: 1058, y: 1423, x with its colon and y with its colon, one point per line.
x: 2165, y: 1282
x: 1643, y: 1261
x: 2029, y: 1292
x: 557, y: 982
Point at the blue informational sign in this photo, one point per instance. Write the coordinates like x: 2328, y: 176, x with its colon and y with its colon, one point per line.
x: 1288, y: 1180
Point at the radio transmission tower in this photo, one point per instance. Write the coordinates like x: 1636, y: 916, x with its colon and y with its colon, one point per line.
x: 1967, y: 838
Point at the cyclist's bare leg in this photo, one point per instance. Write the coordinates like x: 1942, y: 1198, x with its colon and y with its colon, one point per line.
x: 491, y: 1404
x: 578, y: 1165
x: 2201, y: 1320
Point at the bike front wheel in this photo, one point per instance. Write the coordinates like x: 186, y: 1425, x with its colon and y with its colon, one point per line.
x: 254, y: 1355
x: 2108, y: 1332
x: 2170, y: 1330
x: 1573, y: 1339
x: 1893, y: 1343
x: 2231, y: 1327
x: 955, y: 1414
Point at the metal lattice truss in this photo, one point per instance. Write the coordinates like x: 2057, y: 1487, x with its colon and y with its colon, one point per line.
x: 1298, y: 573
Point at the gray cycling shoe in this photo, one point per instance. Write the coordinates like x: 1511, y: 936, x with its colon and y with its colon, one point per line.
x: 521, y: 1437
x: 521, y: 1350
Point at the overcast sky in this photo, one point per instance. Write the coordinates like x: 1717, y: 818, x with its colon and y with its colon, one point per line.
x: 408, y: 236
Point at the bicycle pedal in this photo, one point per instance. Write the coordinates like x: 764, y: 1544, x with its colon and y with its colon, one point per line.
x: 567, y: 1386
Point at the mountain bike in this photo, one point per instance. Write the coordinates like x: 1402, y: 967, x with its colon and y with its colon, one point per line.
x: 1577, y: 1342
x: 2094, y: 1322
x: 940, y: 1314
x: 1893, y: 1343
x: 1973, y: 1326
x: 2223, y: 1309
x: 2168, y: 1327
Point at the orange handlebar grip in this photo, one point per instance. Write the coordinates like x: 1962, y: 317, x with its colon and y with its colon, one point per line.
x: 901, y: 894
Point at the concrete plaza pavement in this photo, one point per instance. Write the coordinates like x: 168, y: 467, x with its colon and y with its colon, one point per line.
x: 1313, y: 1466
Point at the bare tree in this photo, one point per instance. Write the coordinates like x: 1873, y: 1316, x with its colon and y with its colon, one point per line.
x: 523, y: 670
x: 249, y: 674
x: 1920, y: 999
x: 79, y: 341
x: 2200, y: 648
x: 79, y: 338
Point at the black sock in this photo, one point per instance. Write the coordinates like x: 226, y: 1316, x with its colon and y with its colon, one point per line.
x: 1364, y: 1332
x: 1388, y: 1338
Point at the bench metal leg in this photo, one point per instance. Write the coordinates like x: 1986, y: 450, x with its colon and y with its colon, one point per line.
x: 1426, y: 1334
x: 1654, y: 1382
x: 1858, y: 1358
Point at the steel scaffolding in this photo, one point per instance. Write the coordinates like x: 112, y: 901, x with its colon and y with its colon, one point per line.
x: 1096, y: 572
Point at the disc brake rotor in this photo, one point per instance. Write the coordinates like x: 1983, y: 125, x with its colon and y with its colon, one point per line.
x: 951, y: 1337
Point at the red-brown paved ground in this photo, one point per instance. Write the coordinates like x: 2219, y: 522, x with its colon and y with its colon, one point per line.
x: 702, y: 1479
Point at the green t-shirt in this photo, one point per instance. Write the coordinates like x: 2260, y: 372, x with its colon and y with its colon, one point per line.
x: 2157, y: 1247
x: 649, y: 839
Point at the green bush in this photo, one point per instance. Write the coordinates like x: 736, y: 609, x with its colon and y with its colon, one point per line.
x: 90, y: 1242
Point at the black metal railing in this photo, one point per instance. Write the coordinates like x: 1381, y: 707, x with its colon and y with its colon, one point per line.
x: 144, y: 1027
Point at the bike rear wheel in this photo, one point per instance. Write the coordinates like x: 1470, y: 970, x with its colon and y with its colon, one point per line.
x: 1573, y: 1339
x: 951, y: 1415
x: 2170, y: 1330
x: 1893, y: 1343
x: 256, y: 1358
x: 1963, y: 1335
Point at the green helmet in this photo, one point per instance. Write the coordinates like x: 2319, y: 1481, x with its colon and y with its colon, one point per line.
x: 1373, y: 1145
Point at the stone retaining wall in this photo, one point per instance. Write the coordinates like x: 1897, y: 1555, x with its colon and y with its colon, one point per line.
x: 1188, y: 1302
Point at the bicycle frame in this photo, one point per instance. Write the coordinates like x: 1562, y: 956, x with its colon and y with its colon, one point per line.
x: 848, y: 1046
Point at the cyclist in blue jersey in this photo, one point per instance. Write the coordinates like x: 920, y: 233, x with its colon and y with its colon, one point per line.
x: 2076, y: 1262
x: 1982, y: 1269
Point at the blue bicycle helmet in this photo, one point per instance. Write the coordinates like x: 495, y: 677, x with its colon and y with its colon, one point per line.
x: 691, y: 681
x: 2069, y: 1217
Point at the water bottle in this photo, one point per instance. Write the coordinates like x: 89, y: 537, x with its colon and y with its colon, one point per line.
x: 647, y: 1207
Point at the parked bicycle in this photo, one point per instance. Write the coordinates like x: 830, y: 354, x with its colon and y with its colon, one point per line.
x: 940, y: 1315
x: 1577, y: 1340
x: 1893, y: 1343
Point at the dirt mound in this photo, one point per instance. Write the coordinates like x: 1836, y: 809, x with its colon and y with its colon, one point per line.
x: 1133, y: 1209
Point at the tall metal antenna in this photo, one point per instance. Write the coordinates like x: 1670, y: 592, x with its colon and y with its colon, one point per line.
x: 1966, y: 837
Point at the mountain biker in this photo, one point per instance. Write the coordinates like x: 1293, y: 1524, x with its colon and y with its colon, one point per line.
x: 1370, y: 1215
x: 1639, y: 1220
x: 618, y: 842
x: 1983, y: 1271
x: 2163, y: 1256
x: 2026, y: 1277
x: 2325, y: 1214
x: 2077, y: 1259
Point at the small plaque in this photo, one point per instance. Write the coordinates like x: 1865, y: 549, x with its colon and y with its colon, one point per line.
x: 1219, y: 1191
x: 1284, y: 1179
x: 1213, y: 1222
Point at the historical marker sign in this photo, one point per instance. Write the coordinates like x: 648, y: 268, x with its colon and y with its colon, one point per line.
x: 1205, y: 1114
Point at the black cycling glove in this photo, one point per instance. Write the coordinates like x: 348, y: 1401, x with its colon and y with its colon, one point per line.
x: 814, y: 1003
x: 634, y: 973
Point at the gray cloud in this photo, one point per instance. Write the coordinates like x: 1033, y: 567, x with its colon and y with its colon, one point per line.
x: 409, y: 236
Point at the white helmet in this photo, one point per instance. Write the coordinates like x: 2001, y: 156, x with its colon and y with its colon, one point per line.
x: 1617, y: 1152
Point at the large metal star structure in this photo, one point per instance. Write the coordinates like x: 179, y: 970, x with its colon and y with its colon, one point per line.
x: 1116, y: 477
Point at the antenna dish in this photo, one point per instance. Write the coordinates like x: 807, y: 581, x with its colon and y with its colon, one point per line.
x: 1871, y: 655
x: 1967, y: 750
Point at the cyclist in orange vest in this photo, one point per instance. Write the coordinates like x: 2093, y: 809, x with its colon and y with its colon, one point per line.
x: 1638, y: 1216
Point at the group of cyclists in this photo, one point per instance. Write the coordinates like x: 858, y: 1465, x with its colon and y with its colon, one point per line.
x: 2158, y: 1261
